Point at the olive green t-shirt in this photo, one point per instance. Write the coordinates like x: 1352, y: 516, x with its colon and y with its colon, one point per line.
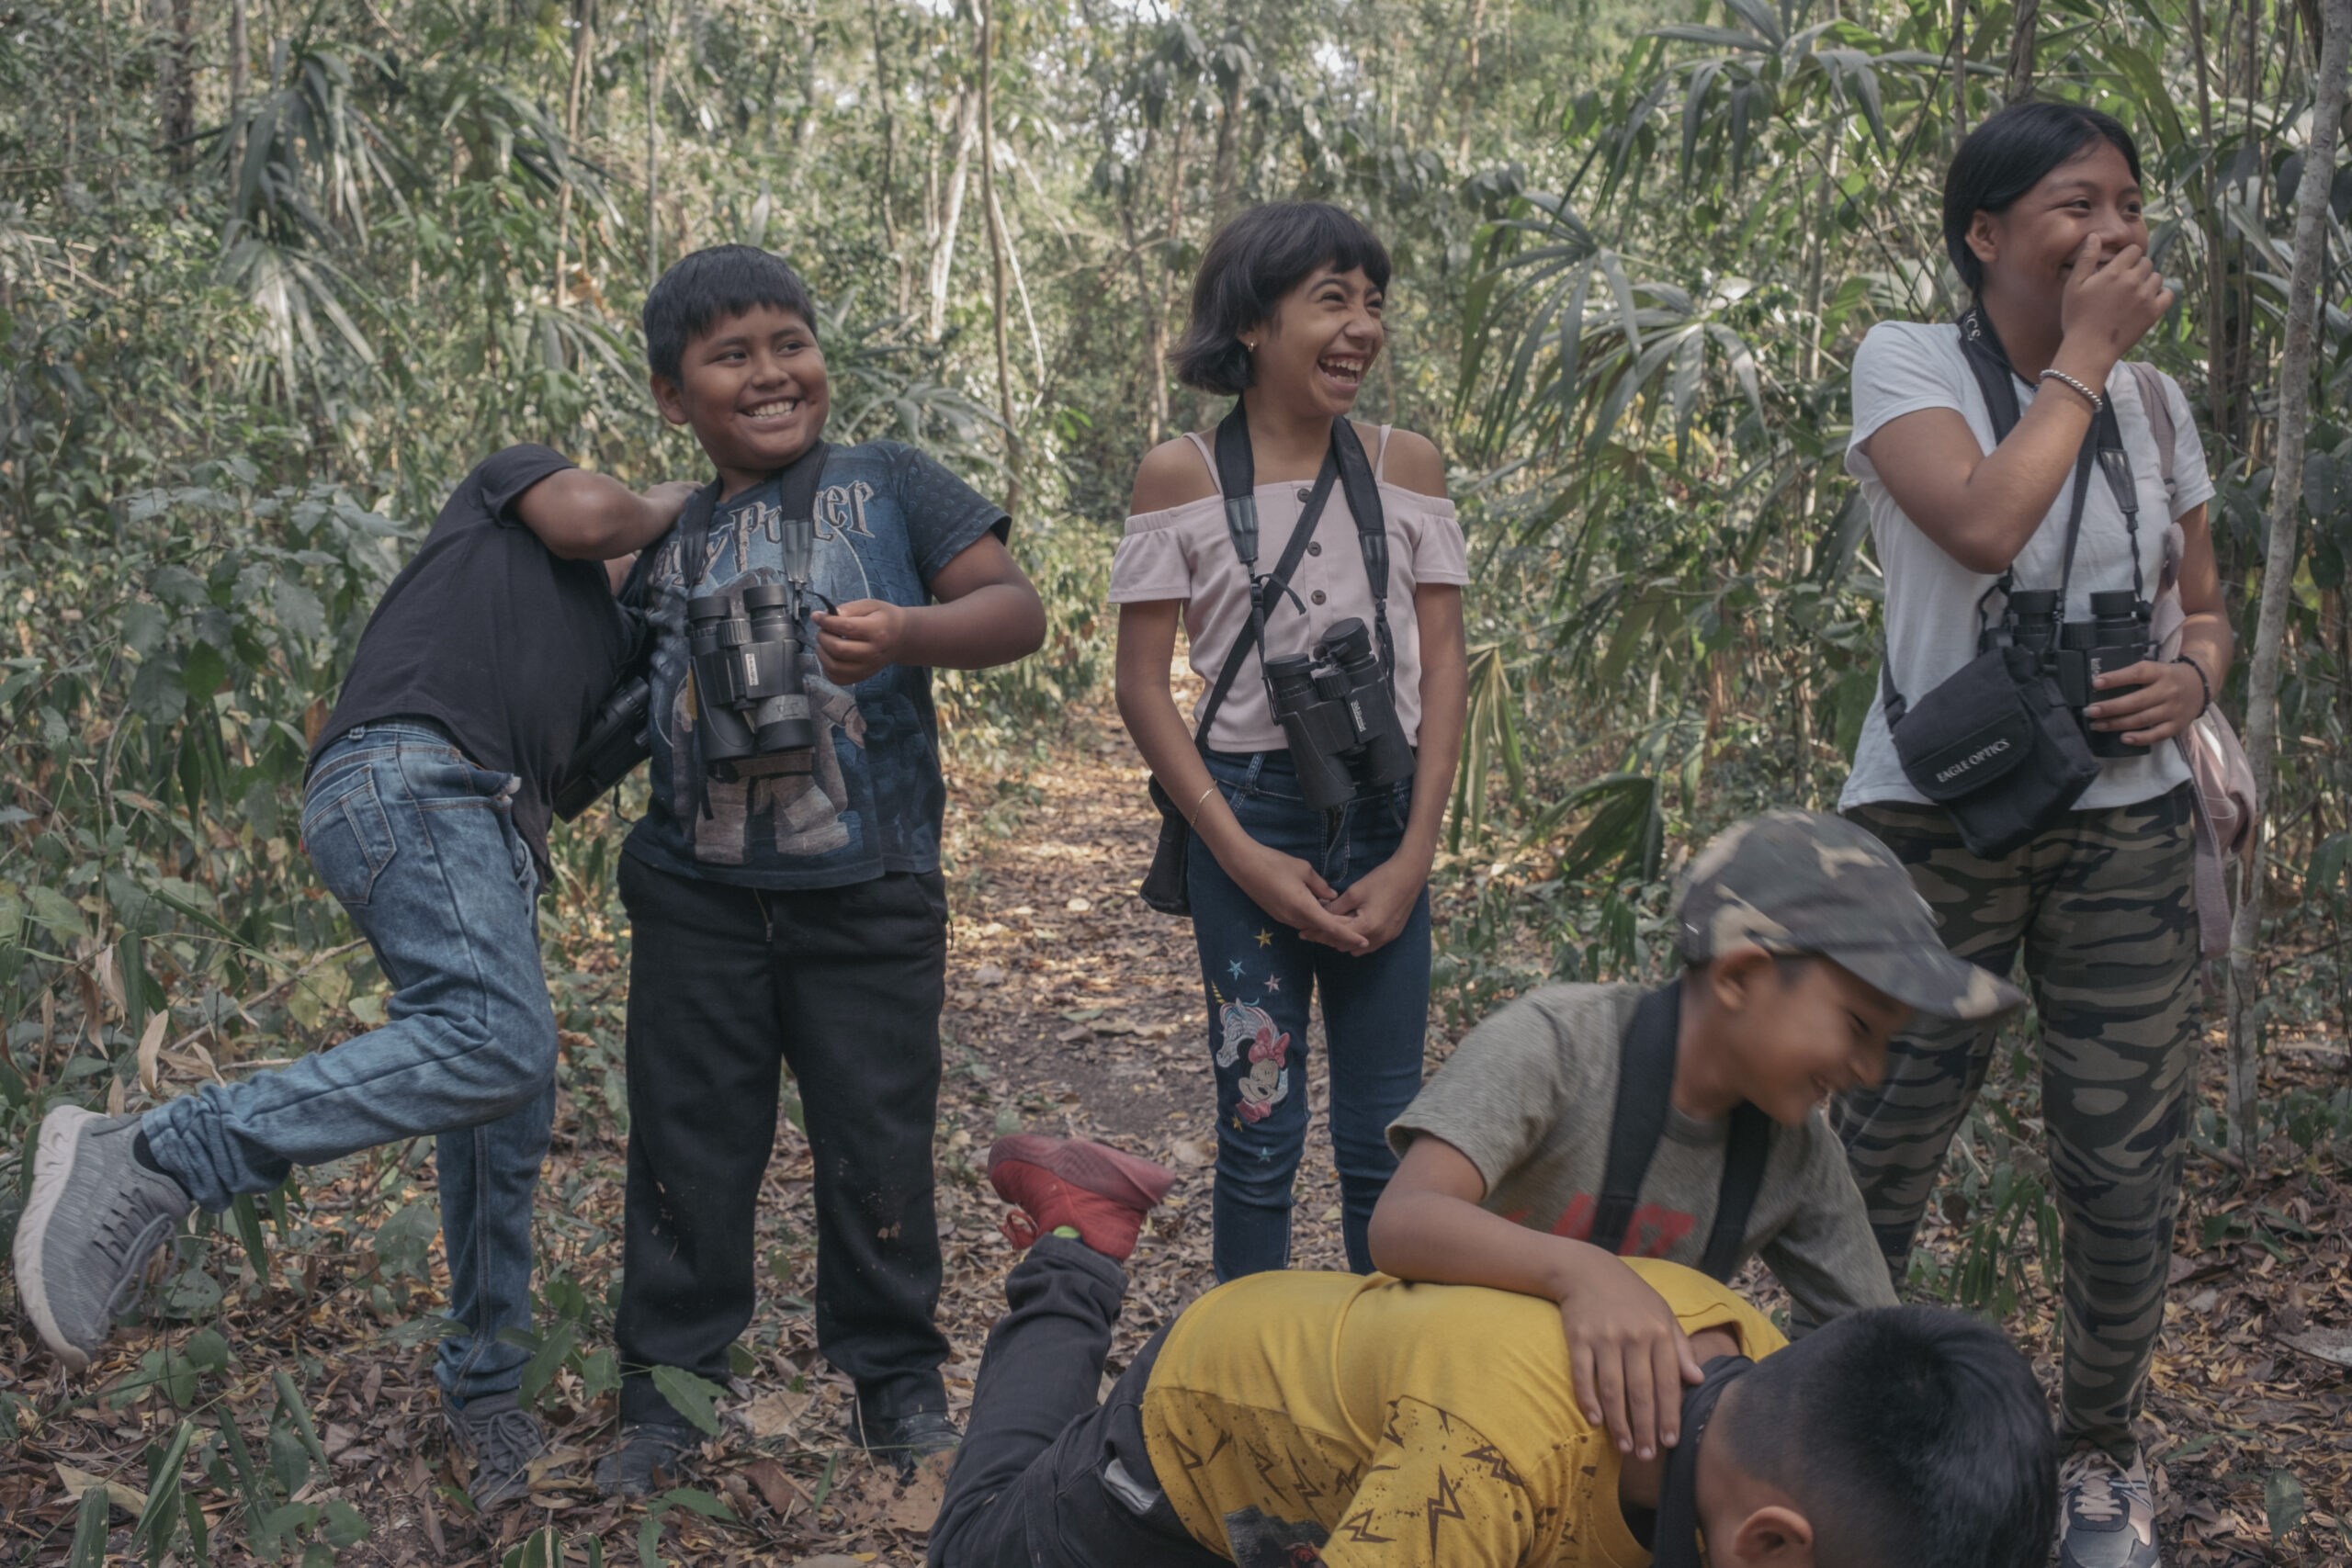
x: 1529, y: 1096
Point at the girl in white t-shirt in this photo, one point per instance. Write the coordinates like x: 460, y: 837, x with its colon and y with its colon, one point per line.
x: 2043, y: 218
x: 1289, y: 899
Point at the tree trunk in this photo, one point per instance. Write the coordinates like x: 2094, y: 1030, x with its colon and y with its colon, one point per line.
x: 652, y: 147
x: 176, y: 90
x: 237, y: 51
x: 1147, y: 296
x: 1224, y: 182
x: 2279, y: 569
x: 2022, y: 46
x: 951, y: 216
x: 884, y: 95
x: 996, y: 302
x: 581, y: 24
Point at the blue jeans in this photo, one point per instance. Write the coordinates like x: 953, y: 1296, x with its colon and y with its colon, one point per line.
x: 419, y: 847
x: 1259, y: 974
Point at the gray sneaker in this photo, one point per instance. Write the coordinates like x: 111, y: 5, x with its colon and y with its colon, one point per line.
x: 95, y: 1218
x: 501, y: 1439
x: 2106, y: 1517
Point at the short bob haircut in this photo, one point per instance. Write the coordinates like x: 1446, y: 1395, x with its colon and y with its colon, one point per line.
x: 1254, y: 261
x: 2007, y: 156
x: 1913, y: 1435
x: 709, y: 285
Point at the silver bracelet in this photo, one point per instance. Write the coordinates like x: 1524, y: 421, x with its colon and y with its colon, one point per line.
x: 2097, y: 404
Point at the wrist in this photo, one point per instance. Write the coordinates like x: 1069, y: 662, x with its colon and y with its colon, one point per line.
x: 2089, y: 362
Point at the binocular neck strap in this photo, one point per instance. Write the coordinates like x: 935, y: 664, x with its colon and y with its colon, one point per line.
x: 1997, y: 379
x: 797, y: 484
x: 1237, y: 475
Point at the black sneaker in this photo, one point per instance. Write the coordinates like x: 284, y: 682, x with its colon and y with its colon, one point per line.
x: 905, y: 1441
x: 649, y: 1454
x: 501, y: 1439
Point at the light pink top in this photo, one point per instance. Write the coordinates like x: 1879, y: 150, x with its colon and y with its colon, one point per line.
x: 1184, y: 552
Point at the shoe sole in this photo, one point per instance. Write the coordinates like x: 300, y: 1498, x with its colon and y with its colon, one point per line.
x: 1093, y: 1168
x: 61, y: 1138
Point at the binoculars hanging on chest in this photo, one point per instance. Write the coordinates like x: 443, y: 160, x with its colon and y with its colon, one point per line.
x: 749, y: 651
x: 2080, y: 652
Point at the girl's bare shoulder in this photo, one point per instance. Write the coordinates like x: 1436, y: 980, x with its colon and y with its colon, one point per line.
x: 1171, y: 474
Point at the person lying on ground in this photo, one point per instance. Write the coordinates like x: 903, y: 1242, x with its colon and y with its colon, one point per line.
x: 1527, y: 1164
x: 1289, y: 1419
x: 786, y: 902
x: 425, y: 813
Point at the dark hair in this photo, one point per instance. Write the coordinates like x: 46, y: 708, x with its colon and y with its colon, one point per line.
x: 711, y: 285
x: 1254, y: 261
x: 1913, y: 1435
x: 2007, y: 156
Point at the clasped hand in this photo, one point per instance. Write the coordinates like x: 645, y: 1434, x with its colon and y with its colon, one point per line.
x: 1367, y: 916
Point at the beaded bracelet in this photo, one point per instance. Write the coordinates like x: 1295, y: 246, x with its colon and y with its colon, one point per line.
x: 2099, y: 403
x: 2206, y: 685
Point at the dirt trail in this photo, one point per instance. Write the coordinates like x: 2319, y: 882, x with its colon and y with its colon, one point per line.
x: 1071, y: 1008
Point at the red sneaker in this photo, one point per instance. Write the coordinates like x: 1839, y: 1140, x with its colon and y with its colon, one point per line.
x: 1093, y: 1188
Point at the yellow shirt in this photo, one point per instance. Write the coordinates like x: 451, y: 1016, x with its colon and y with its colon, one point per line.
x: 1394, y: 1424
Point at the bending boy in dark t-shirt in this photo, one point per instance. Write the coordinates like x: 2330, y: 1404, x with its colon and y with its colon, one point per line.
x: 795, y: 917
x: 426, y: 816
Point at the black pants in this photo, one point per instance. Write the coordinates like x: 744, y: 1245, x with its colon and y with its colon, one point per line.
x: 843, y: 985
x: 1047, y: 1477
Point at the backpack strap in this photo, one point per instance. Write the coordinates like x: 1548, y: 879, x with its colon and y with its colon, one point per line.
x: 2158, y: 408
x: 1751, y: 1140
x: 1645, y: 1088
x: 1644, y: 1096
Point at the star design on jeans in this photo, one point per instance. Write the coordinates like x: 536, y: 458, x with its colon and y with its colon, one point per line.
x: 1265, y: 937
x: 1273, y: 982
x: 1235, y: 967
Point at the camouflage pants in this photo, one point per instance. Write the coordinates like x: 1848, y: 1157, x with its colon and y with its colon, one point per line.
x: 2104, y: 910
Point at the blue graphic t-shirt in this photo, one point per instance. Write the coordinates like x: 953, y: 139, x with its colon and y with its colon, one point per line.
x: 889, y: 520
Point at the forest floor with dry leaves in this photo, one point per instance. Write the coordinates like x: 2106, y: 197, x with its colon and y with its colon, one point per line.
x: 1073, y: 1010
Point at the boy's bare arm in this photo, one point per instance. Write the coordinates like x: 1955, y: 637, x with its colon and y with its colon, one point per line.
x: 1628, y: 1355
x: 584, y: 516
x: 988, y: 614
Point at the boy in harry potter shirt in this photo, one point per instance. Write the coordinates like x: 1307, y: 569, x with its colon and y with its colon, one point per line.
x: 795, y: 918
x: 1806, y: 948
x: 1290, y: 1419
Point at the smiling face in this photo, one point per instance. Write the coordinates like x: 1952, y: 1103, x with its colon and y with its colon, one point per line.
x: 1319, y: 344
x: 2029, y: 251
x: 753, y: 390
x: 1801, y: 1030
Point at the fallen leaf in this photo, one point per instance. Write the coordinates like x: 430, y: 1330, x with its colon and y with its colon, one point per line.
x: 1079, y: 906
x: 918, y: 1505
x: 78, y: 1482
x: 988, y: 975
x: 773, y: 1414
x: 1190, y: 1152
x: 776, y: 1487
x: 1075, y: 1031
x: 2327, y: 1344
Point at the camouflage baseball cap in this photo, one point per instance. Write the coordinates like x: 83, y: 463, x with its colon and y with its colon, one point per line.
x: 1804, y: 882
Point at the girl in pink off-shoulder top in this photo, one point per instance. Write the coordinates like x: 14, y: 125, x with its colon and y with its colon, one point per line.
x: 1290, y: 900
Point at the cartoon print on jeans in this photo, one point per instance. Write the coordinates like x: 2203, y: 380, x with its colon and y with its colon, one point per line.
x: 1266, y: 1083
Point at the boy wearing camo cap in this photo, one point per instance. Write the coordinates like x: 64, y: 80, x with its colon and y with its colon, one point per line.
x: 1805, y: 949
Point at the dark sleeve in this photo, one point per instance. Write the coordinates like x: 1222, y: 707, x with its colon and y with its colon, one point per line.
x: 502, y: 477
x: 944, y: 516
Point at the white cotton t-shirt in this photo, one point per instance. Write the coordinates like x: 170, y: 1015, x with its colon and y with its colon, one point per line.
x: 1903, y: 366
x: 1184, y: 552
